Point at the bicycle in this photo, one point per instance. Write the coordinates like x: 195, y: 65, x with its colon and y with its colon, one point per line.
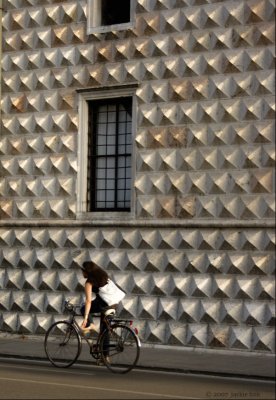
x: 117, y: 347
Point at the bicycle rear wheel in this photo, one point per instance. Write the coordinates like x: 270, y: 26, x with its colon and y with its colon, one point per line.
x: 62, y: 344
x: 120, y: 349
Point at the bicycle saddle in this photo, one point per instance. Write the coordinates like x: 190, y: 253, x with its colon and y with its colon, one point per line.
x: 110, y: 311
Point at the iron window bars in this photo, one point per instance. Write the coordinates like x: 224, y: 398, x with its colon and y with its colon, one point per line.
x: 110, y: 147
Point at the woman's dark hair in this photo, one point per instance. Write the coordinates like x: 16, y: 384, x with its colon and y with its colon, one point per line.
x: 95, y: 274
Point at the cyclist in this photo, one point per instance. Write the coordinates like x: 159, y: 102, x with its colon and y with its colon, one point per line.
x: 107, y: 294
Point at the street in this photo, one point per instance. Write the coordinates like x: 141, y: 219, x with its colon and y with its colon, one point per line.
x: 28, y: 379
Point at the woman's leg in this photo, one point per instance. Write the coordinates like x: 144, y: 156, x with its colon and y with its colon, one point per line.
x: 97, y: 306
x: 106, y: 341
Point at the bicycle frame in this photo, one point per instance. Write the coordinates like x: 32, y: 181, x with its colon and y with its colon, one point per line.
x: 93, y: 342
x: 117, y: 346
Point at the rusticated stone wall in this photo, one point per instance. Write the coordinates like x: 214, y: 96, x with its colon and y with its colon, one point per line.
x: 197, y: 258
x: 194, y: 287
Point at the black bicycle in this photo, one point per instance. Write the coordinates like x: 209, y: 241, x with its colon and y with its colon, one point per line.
x: 117, y: 347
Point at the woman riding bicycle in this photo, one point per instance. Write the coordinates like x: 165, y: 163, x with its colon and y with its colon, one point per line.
x: 107, y: 294
x: 117, y: 346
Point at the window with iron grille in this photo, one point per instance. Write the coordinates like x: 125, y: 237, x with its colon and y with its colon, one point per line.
x: 110, y: 148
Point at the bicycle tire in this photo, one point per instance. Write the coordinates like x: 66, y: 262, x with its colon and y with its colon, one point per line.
x: 120, y: 349
x: 62, y: 344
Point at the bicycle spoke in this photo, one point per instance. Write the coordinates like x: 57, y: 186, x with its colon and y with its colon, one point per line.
x: 62, y: 344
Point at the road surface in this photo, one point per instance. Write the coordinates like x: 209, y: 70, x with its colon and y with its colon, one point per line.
x: 27, y: 379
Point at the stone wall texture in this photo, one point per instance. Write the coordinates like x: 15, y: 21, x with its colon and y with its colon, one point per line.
x: 197, y: 257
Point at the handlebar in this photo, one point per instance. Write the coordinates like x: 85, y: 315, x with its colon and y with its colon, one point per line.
x: 71, y: 307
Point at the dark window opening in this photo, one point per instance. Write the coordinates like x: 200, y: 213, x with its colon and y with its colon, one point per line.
x: 115, y: 12
x: 110, y: 148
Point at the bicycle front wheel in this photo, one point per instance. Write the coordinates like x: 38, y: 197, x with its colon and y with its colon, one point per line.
x: 62, y: 344
x: 120, y: 349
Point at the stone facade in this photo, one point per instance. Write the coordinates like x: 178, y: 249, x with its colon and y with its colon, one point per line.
x: 196, y: 257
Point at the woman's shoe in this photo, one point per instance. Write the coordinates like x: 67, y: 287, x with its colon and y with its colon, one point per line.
x: 89, y: 329
x: 100, y: 361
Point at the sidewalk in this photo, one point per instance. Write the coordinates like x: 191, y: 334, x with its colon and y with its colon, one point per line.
x: 160, y: 357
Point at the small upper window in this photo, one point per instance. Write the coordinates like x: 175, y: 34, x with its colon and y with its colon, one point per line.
x: 112, y: 14
x: 107, y: 15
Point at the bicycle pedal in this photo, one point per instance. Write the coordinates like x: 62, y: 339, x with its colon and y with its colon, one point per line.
x: 94, y: 349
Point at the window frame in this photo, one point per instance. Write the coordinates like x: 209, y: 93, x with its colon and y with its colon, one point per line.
x: 94, y: 18
x: 85, y: 97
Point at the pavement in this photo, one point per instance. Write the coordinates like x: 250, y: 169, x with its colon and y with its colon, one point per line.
x: 182, y: 359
